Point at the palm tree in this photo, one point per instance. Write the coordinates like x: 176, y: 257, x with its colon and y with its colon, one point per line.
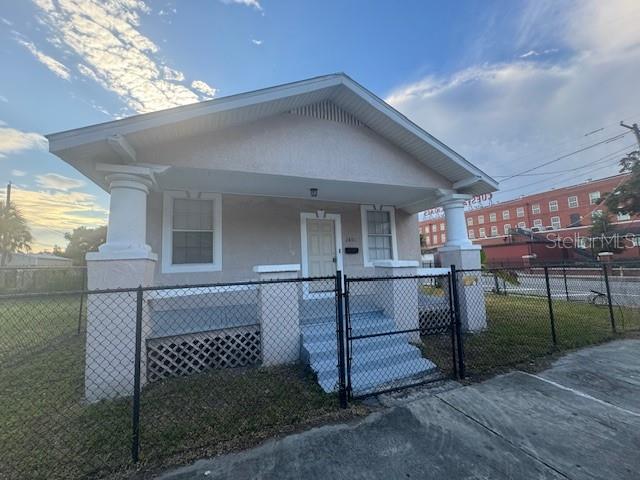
x: 15, y: 235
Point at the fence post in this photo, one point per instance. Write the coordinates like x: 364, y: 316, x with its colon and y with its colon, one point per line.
x: 495, y: 280
x: 135, y: 419
x: 452, y: 320
x: 342, y: 384
x: 83, y: 287
x: 551, y: 317
x: 347, y: 342
x: 458, y: 323
x: 606, y: 283
x: 566, y: 288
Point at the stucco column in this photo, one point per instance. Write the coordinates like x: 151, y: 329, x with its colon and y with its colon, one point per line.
x: 399, y: 297
x: 279, y: 313
x: 124, y: 261
x: 458, y: 250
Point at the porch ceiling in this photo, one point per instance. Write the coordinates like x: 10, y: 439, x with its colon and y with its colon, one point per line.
x: 410, y: 199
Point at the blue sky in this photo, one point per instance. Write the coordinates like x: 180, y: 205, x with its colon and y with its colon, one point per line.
x: 509, y: 84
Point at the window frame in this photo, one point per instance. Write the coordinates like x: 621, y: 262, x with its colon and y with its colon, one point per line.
x: 577, y: 203
x: 506, y: 228
x: 623, y: 217
x: 482, y: 233
x: 493, y: 217
x: 471, y: 234
x: 555, y: 205
x: 537, y: 222
x: 494, y: 230
x: 535, y: 208
x: 480, y: 219
x: 559, y: 222
x: 365, y: 231
x: 591, y: 201
x: 469, y: 221
x: 522, y: 225
x: 167, y: 233
x: 506, y: 215
x: 519, y: 212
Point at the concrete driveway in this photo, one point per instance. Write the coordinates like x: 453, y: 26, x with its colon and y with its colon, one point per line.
x: 578, y: 420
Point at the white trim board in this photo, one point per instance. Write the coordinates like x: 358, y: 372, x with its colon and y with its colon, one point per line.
x: 167, y: 236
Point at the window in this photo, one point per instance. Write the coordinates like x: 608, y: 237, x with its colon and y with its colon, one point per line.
x: 505, y: 214
x: 507, y: 229
x: 494, y: 231
x: 636, y: 241
x: 535, y: 208
x: 469, y: 221
x: 482, y: 233
x: 435, y: 239
x: 426, y: 229
x: 522, y: 225
x: 520, y: 212
x: 553, y: 206
x: 572, y: 201
x: 443, y: 237
x: 594, y: 197
x: 537, y: 222
x: 427, y: 240
x: 442, y: 227
x: 471, y: 233
x: 191, y: 232
x: 575, y: 219
x: 378, y: 233
x: 492, y: 217
x: 480, y: 219
x: 623, y: 217
x: 555, y: 222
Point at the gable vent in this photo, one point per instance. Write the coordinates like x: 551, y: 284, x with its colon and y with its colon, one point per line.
x: 327, y: 111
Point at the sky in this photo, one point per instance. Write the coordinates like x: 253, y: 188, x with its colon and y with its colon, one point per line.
x: 511, y: 85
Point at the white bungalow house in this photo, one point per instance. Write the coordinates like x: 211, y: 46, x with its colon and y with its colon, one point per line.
x: 301, y: 179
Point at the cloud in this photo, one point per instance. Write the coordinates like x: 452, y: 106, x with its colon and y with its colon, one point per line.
x: 506, y: 117
x: 52, y: 213
x: 51, y: 63
x: 18, y: 173
x: 54, y: 181
x: 248, y: 3
x: 13, y: 141
x: 534, y: 53
x: 256, y: 42
x: 114, y: 53
x: 203, y: 88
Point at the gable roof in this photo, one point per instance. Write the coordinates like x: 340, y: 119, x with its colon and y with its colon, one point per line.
x: 74, y: 145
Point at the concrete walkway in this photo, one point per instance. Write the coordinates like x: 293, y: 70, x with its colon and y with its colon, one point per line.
x: 578, y: 420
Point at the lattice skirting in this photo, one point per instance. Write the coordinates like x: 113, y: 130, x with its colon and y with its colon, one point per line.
x: 434, y: 321
x: 193, y: 353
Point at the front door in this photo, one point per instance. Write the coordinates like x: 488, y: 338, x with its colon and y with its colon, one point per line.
x: 321, y: 247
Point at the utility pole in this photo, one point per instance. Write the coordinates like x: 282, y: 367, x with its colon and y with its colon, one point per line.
x: 635, y: 129
x: 8, y: 202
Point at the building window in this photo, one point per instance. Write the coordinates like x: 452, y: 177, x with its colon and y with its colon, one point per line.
x: 535, y: 208
x: 472, y: 233
x: 435, y: 239
x: 636, y: 241
x: 574, y: 220
x: 520, y: 212
x: 442, y: 227
x: 494, y: 231
x: 505, y: 215
x: 492, y: 217
x: 553, y: 206
x: 426, y: 229
x: 482, y: 233
x: 379, y: 234
x: 522, y: 225
x: 507, y: 229
x: 622, y: 217
x: 594, y: 198
x: 555, y: 222
x: 427, y: 240
x: 443, y: 237
x: 191, y: 232
x: 469, y: 221
x: 572, y: 201
x: 480, y: 219
x: 537, y: 222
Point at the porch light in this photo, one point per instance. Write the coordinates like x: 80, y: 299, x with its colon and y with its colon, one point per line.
x: 313, y: 192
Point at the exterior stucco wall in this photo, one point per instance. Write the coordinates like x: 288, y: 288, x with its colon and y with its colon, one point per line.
x: 299, y: 146
x: 266, y: 230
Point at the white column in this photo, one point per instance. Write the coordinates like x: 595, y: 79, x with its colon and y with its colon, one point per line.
x: 278, y: 307
x: 399, y: 297
x: 458, y: 250
x: 124, y: 261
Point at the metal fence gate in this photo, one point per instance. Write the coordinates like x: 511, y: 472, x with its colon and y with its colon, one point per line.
x: 399, y: 332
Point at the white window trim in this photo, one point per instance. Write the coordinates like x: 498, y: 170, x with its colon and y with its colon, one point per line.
x: 537, y: 222
x: 519, y: 212
x: 555, y: 206
x: 493, y: 217
x: 569, y: 201
x: 535, y: 208
x: 558, y: 222
x: 167, y: 233
x: 591, y: 198
x: 365, y: 233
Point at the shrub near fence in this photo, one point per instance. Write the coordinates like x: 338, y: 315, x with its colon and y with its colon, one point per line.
x: 41, y: 279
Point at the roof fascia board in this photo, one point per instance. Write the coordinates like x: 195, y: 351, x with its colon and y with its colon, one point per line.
x: 73, y: 138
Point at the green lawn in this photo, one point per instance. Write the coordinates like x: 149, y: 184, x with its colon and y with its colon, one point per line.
x: 519, y: 331
x: 46, y: 431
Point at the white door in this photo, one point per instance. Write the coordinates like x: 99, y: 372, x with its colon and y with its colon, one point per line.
x: 321, y: 248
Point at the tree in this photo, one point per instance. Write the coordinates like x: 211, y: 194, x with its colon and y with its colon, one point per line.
x: 15, y: 235
x: 604, y: 238
x: 626, y: 197
x: 83, y: 240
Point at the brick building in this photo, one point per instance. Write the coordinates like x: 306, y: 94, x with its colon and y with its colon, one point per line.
x: 529, y: 225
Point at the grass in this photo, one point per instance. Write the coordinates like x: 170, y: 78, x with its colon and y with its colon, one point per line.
x: 47, y: 431
x: 519, y: 332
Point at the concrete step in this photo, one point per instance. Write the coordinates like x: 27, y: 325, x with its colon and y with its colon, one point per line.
x: 361, y: 324
x: 396, y: 374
